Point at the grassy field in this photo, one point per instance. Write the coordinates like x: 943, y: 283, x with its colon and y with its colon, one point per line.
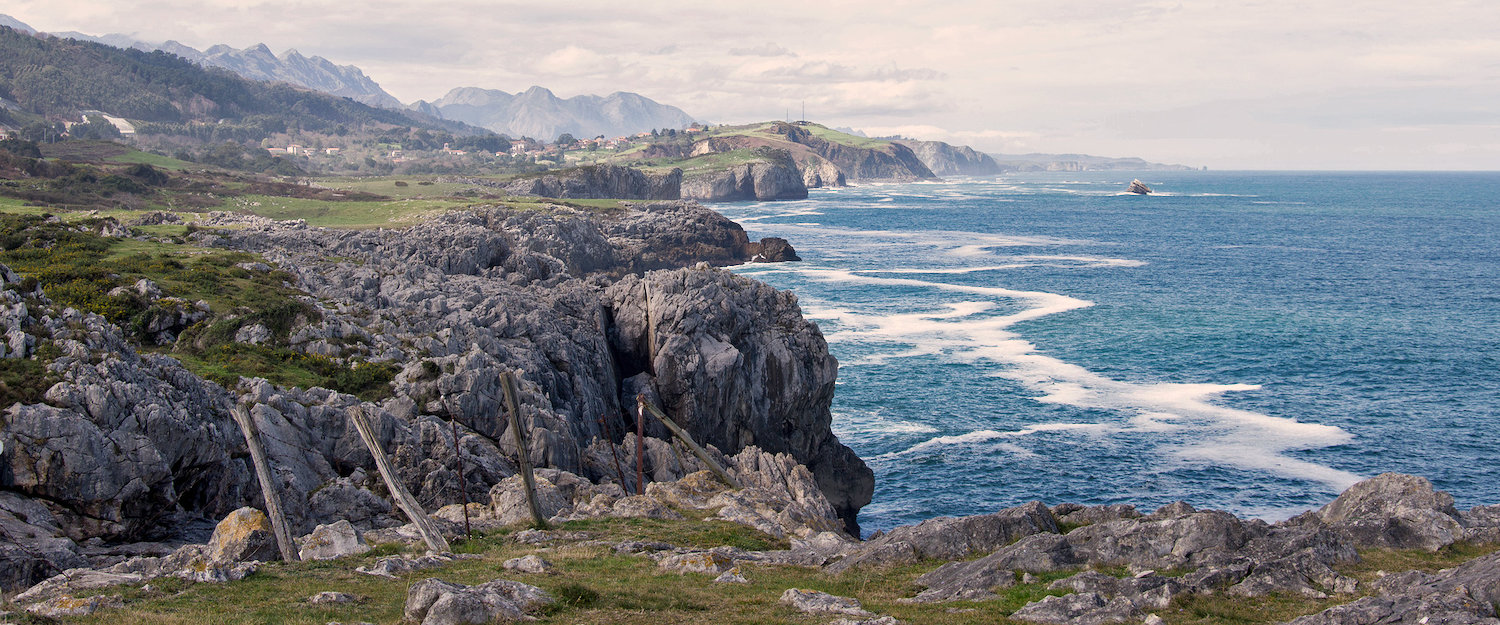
x: 355, y: 214
x: 594, y: 585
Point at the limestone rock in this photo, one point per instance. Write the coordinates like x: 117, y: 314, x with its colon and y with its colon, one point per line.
x: 1084, y: 608
x: 947, y: 538
x: 68, y: 606
x: 815, y: 602
x: 707, y: 562
x: 772, y: 250
x: 642, y: 507
x: 772, y: 176
x: 435, y: 602
x: 328, y: 597
x: 508, y: 500
x: 331, y: 541
x: 391, y: 566
x: 530, y: 564
x: 242, y: 536
x: 599, y: 182
x: 1395, y: 511
x: 731, y: 576
x: 1139, y: 188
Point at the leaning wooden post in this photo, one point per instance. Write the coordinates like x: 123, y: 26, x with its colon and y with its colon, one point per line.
x: 683, y: 435
x: 267, y: 485
x: 409, y: 505
x: 640, y: 450
x: 523, y: 453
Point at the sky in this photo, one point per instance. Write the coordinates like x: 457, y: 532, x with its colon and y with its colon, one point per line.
x: 1254, y: 84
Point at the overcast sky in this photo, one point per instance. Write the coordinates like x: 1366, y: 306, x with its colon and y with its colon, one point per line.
x: 1268, y: 84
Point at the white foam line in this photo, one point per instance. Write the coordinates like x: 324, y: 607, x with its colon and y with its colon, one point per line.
x: 966, y: 332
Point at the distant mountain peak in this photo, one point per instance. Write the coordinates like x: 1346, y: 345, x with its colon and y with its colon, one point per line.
x: 540, y: 114
x: 6, y: 20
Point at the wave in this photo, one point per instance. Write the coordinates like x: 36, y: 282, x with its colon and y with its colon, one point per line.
x: 974, y: 332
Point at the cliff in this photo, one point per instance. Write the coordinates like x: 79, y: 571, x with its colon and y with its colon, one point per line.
x: 129, y: 451
x: 886, y: 161
x: 771, y: 174
x: 948, y: 160
x: 599, y: 182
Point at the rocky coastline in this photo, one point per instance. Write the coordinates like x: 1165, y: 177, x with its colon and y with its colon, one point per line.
x: 132, y: 468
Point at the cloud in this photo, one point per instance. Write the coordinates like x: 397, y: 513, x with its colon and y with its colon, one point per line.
x: 826, y: 72
x: 576, y: 61
x: 766, y: 49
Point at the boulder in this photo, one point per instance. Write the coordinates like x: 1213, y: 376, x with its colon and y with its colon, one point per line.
x: 946, y: 538
x: 1395, y: 511
x: 1083, y: 608
x: 335, y: 540
x: 531, y: 563
x: 245, y: 535
x: 435, y: 602
x: 816, y: 602
x: 1139, y: 188
x: 707, y: 562
x: 772, y: 250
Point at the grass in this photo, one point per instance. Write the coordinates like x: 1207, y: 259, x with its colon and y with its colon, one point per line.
x: 345, y: 214
x: 154, y: 160
x: 710, y: 162
x: 593, y: 585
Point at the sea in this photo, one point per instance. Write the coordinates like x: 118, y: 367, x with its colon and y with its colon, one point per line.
x: 1254, y: 342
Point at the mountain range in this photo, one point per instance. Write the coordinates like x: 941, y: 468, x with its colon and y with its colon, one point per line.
x: 536, y: 112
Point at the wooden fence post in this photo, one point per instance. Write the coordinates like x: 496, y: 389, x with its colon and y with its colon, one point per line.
x: 267, y: 485
x: 640, y: 449
x: 523, y: 453
x: 463, y: 486
x: 683, y: 435
x: 409, y: 505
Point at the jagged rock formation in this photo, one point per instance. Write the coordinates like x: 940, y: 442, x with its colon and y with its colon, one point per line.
x: 773, y: 176
x: 1139, y: 188
x: 539, y: 114
x: 949, y: 160
x: 1215, y: 551
x: 129, y: 445
x: 599, y: 182
x: 820, y: 173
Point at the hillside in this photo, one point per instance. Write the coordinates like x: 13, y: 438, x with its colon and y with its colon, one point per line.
x: 949, y: 160
x: 822, y: 157
x: 55, y: 79
x: 540, y: 114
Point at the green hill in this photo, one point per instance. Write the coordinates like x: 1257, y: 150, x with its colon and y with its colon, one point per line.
x: 53, y: 79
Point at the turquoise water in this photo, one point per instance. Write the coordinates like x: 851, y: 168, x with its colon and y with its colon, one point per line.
x: 1253, y: 342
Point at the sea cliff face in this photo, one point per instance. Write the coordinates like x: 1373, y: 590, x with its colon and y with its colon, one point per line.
x: 132, y: 447
x: 600, y: 182
x: 776, y: 177
x: 949, y: 160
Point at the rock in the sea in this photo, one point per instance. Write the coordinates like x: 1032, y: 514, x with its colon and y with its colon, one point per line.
x: 773, y: 250
x: 334, y: 540
x: 1139, y: 188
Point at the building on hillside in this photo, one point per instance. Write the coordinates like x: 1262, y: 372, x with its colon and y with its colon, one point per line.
x: 332, y: 151
x: 276, y: 150
x: 295, y: 149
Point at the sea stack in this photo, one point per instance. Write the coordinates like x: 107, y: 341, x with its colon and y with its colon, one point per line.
x: 1139, y: 188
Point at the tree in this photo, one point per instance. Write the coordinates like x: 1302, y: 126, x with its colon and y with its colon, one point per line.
x: 566, y: 139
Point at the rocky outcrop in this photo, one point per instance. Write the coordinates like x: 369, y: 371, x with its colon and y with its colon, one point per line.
x: 735, y: 364
x: 949, y: 160
x: 600, y: 182
x: 772, y: 250
x: 1139, y: 188
x: 821, y: 173
x: 773, y: 176
x: 889, y: 162
x: 435, y: 602
x: 1216, y: 553
x: 132, y: 447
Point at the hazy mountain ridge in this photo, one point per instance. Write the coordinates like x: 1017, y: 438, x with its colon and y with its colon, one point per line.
x: 540, y: 114
x: 1080, y: 162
